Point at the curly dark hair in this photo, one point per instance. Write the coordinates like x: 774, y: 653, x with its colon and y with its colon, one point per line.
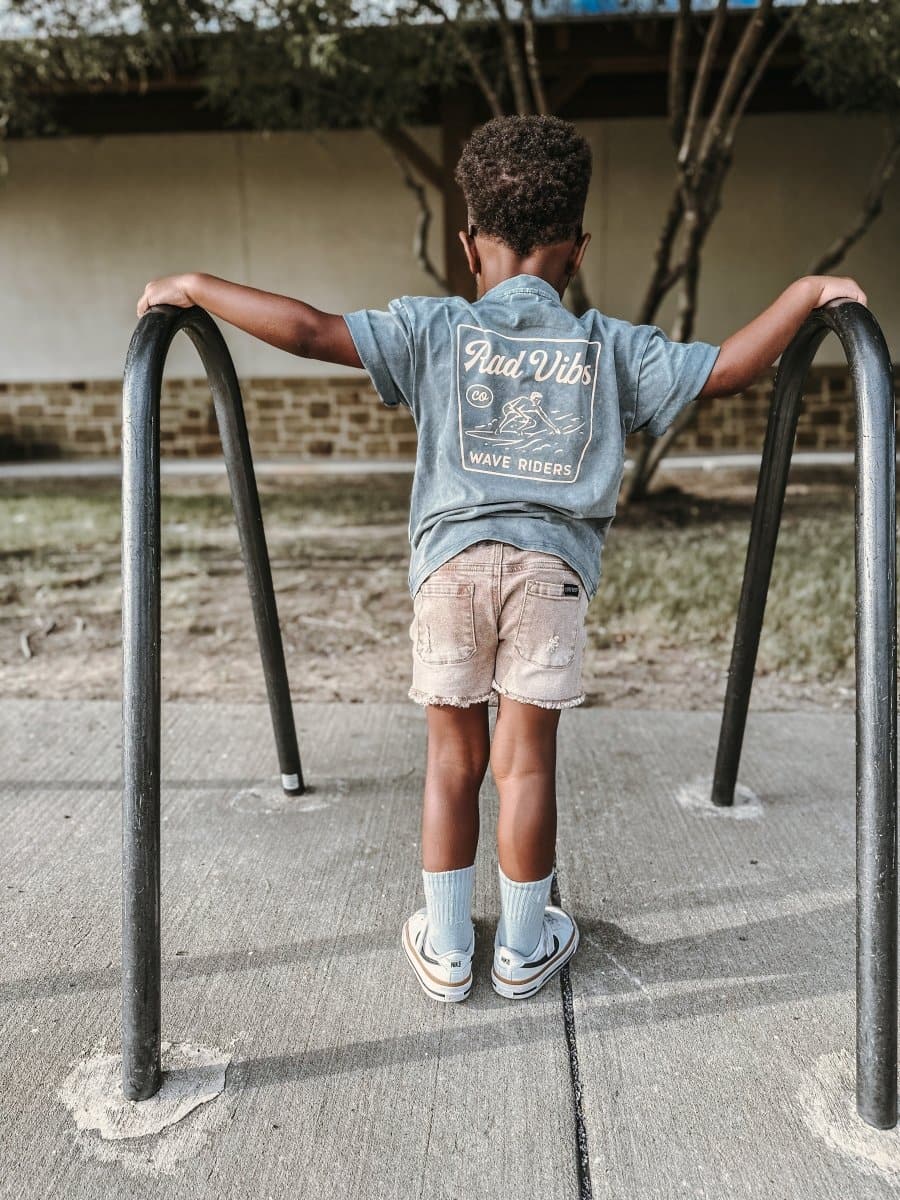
x: 525, y: 180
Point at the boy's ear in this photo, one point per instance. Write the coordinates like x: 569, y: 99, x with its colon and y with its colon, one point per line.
x: 473, y: 258
x: 577, y: 254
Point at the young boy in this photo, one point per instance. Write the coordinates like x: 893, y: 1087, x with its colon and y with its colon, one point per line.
x: 521, y: 410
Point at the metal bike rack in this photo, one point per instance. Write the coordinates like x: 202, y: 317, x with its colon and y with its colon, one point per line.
x: 141, y: 1069
x: 876, y: 666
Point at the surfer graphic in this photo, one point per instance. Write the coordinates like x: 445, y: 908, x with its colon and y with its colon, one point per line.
x: 527, y: 424
x: 524, y: 415
x: 523, y: 422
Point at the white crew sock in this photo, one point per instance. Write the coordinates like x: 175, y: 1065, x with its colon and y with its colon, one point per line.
x: 522, y: 912
x: 448, y: 898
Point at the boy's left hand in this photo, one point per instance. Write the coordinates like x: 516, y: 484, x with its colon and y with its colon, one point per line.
x: 171, y: 289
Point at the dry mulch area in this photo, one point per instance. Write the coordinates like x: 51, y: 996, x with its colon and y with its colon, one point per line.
x: 659, y: 628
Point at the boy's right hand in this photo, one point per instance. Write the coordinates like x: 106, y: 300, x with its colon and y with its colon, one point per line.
x: 171, y: 289
x: 833, y: 287
x: 744, y: 355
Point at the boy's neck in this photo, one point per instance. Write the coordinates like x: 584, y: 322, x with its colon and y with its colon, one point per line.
x: 500, y: 262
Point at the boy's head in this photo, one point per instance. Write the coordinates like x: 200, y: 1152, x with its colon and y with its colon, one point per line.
x: 525, y: 180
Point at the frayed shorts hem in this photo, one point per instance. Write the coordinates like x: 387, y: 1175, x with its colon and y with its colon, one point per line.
x: 425, y: 698
x: 454, y: 701
x: 572, y: 703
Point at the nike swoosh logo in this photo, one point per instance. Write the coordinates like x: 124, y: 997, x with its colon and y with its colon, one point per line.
x: 539, y: 962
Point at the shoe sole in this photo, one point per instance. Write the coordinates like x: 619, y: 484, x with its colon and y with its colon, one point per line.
x: 447, y: 993
x: 511, y: 990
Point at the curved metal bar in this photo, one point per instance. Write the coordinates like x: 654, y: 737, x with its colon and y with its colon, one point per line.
x: 876, y: 666
x: 141, y: 1073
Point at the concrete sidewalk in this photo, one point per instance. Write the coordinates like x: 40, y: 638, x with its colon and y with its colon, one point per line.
x: 111, y: 468
x: 713, y: 990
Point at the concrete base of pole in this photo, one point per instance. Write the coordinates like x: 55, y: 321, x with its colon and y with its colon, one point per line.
x: 829, y: 1108
x: 192, y: 1075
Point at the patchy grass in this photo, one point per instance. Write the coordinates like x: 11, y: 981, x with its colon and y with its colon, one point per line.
x: 55, y: 514
x: 684, y: 585
x: 660, y: 628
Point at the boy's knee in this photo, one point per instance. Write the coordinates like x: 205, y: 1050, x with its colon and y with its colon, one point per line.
x: 520, y: 763
x: 524, y: 743
x: 459, y: 741
x: 466, y: 764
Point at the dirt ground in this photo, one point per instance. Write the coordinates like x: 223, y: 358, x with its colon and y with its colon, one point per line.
x: 340, y: 555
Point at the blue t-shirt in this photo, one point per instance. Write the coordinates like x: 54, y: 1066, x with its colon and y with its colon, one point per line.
x: 521, y: 411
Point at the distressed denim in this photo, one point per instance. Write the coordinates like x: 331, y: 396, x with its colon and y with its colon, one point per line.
x: 497, y: 619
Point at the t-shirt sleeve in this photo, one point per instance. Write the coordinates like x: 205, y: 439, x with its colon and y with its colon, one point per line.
x: 670, y: 376
x: 384, y: 343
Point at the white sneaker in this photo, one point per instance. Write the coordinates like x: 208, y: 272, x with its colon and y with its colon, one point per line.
x: 516, y: 975
x: 446, y: 977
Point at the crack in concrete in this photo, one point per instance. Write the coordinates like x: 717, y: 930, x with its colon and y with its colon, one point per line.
x: 582, y: 1155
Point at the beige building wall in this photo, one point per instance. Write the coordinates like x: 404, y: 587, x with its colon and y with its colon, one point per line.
x: 84, y: 222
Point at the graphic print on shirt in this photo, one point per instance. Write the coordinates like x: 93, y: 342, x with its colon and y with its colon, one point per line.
x: 526, y: 405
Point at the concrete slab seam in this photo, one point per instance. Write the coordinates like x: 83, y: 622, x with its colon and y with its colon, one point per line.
x: 582, y: 1154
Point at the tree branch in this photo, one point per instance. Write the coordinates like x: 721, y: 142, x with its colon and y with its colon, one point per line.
x: 756, y: 75
x: 661, y: 259
x: 473, y: 62
x: 565, y: 88
x: 417, y: 156
x: 423, y: 221
x: 513, y: 60
x: 736, y: 70
x: 531, y: 58
x: 701, y: 79
x: 659, y: 447
x: 871, y: 207
x: 677, y: 57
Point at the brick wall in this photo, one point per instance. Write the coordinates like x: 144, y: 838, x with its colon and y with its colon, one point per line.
x: 340, y: 418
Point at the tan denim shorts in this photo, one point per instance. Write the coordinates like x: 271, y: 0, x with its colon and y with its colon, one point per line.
x: 495, y: 618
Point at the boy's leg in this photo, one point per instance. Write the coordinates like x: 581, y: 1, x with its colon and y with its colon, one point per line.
x: 458, y: 753
x: 457, y: 759
x: 541, y: 640
x: 523, y: 763
x: 454, y: 639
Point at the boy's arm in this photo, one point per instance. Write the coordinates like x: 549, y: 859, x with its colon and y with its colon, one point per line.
x: 279, y: 320
x: 746, y: 354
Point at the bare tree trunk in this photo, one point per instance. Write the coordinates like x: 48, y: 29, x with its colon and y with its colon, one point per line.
x: 531, y: 59
x: 677, y: 60
x: 424, y: 218
x: 702, y: 161
x: 656, y: 288
x: 514, y: 64
x: 701, y: 82
x: 737, y: 68
x: 690, y: 278
x: 654, y: 450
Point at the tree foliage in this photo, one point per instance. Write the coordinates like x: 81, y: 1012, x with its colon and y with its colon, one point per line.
x: 266, y: 64
x: 313, y: 63
x: 852, y: 55
x: 282, y: 64
x: 49, y: 46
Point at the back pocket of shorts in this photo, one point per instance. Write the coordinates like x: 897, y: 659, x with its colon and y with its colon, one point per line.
x: 549, y: 623
x: 445, y: 622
